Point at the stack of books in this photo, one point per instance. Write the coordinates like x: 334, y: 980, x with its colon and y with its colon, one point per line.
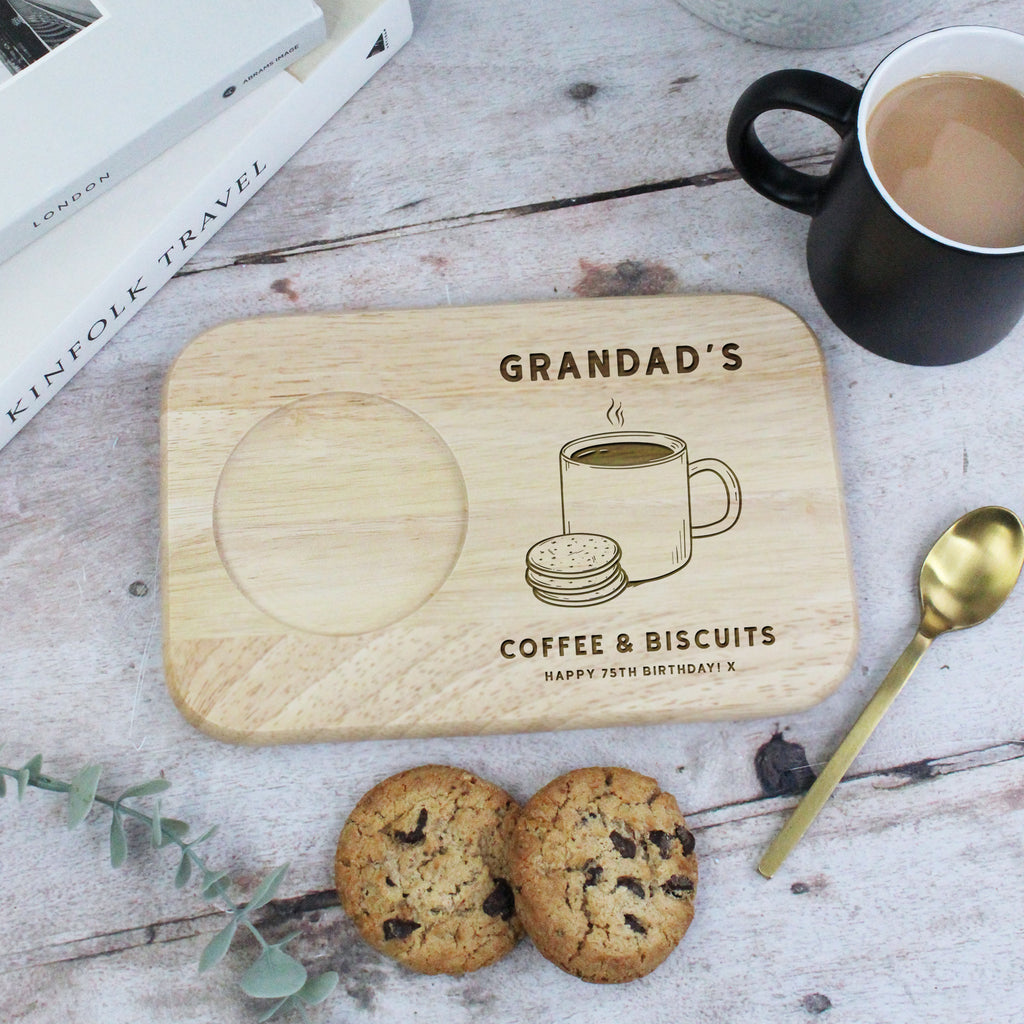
x: 141, y: 128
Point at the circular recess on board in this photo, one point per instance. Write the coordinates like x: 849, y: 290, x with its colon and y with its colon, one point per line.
x: 340, y: 513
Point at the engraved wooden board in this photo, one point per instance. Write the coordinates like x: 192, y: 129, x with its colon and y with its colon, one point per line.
x: 504, y: 518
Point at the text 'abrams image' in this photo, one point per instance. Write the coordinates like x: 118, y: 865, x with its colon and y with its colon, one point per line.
x: 30, y: 29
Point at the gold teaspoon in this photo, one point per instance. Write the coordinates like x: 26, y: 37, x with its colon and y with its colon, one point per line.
x: 966, y: 576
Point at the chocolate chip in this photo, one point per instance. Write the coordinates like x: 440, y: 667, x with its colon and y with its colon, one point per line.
x: 634, y: 885
x: 677, y: 886
x: 782, y: 767
x: 416, y: 835
x: 592, y: 875
x: 388, y: 882
x: 501, y: 902
x: 685, y: 837
x: 625, y: 846
x: 663, y: 841
x: 635, y: 924
x: 396, y: 928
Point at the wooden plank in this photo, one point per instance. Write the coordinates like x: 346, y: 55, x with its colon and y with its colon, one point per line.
x: 537, y: 109
x: 872, y: 849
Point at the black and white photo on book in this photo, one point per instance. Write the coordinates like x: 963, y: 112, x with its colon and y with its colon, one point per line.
x: 90, y: 90
x: 29, y: 30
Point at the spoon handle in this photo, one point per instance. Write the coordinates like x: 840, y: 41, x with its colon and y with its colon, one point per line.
x: 814, y: 799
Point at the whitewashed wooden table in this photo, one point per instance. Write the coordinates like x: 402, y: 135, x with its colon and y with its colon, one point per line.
x: 527, y: 150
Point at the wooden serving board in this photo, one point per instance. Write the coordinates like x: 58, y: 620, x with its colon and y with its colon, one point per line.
x: 468, y: 520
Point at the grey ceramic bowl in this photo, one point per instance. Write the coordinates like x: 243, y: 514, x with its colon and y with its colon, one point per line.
x: 808, y: 23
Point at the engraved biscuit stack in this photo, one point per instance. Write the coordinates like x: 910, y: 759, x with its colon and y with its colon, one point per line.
x: 575, y: 569
x: 444, y: 871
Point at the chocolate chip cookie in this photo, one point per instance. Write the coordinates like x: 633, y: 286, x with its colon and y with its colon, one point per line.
x: 422, y: 869
x: 604, y: 873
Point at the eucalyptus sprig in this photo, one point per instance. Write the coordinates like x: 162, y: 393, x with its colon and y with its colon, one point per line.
x: 274, y: 974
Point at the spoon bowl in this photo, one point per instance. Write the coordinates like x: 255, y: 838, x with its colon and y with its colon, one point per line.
x: 968, y: 574
x: 971, y: 570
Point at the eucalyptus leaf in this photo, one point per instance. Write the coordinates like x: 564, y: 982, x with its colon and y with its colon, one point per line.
x: 184, y: 871
x: 218, y: 946
x: 174, y: 827
x: 267, y: 889
x: 156, y: 833
x: 118, y: 841
x: 208, y: 834
x: 23, y: 777
x: 317, y: 989
x: 285, y: 1004
x: 150, y: 788
x: 82, y: 794
x: 3, y: 786
x: 215, y: 884
x: 274, y: 975
x: 34, y: 767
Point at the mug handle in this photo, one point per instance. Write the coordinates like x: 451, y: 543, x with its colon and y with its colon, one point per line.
x: 808, y: 92
x: 733, y: 500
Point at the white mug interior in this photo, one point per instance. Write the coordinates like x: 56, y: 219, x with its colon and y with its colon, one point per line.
x: 968, y: 49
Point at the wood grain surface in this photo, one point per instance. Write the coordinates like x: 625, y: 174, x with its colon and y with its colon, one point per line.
x: 361, y: 496
x: 527, y: 152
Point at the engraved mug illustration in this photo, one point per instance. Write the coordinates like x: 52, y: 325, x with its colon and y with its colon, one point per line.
x: 634, y: 486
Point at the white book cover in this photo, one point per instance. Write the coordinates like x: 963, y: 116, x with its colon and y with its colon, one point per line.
x: 92, y: 89
x: 66, y: 295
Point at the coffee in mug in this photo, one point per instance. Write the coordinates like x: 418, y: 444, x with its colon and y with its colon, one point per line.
x: 633, y: 486
x: 916, y: 244
x: 949, y: 149
x: 621, y: 453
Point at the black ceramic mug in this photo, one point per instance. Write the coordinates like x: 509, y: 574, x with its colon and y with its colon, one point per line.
x: 893, y: 285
